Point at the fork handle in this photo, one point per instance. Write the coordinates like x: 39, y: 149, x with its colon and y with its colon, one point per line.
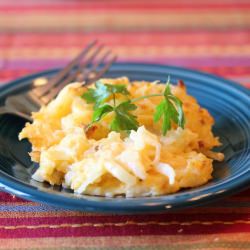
x: 6, y: 110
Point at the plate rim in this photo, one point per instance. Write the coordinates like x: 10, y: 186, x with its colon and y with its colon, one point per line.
x: 9, y: 183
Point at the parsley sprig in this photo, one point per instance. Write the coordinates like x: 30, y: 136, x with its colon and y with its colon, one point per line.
x: 123, y: 118
x: 169, y: 109
x: 102, y: 92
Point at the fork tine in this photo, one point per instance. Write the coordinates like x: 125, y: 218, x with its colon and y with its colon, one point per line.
x: 43, y: 90
x: 86, y: 77
x: 54, y: 91
x: 101, y: 60
x: 106, y: 67
x: 95, y: 66
x: 91, y: 58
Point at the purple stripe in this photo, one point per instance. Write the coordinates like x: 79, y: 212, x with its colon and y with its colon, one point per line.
x: 34, y: 64
x: 2, y: 63
x: 196, y: 62
x: 241, y: 79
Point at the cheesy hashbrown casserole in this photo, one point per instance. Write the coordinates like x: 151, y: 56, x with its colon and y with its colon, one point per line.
x: 97, y: 161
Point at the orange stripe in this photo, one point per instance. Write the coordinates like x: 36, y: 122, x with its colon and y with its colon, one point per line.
x: 132, y: 20
x: 133, y: 51
x: 193, y: 2
x: 127, y: 241
x: 126, y: 38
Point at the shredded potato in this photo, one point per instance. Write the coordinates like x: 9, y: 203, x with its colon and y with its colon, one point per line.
x: 102, y: 162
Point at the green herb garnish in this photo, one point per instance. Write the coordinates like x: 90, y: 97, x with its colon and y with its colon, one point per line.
x: 169, y: 110
x: 123, y: 119
x: 101, y: 92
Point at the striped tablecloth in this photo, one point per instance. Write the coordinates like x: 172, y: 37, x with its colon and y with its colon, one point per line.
x: 210, y: 35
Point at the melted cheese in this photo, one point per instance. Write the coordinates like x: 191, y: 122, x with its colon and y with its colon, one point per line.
x: 102, y: 162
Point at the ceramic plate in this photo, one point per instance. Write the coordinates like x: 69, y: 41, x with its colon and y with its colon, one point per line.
x: 228, y: 102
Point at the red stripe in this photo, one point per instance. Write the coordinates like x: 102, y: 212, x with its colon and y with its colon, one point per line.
x: 233, y: 71
x: 121, y: 6
x: 14, y: 73
x: 125, y: 38
x: 4, y: 197
x: 56, y: 2
x: 122, y: 219
x: 125, y: 231
x: 245, y: 193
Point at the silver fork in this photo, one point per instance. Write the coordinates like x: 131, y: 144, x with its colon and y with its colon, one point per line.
x: 87, y: 67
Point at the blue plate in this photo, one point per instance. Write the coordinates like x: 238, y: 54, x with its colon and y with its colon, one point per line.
x: 228, y: 102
